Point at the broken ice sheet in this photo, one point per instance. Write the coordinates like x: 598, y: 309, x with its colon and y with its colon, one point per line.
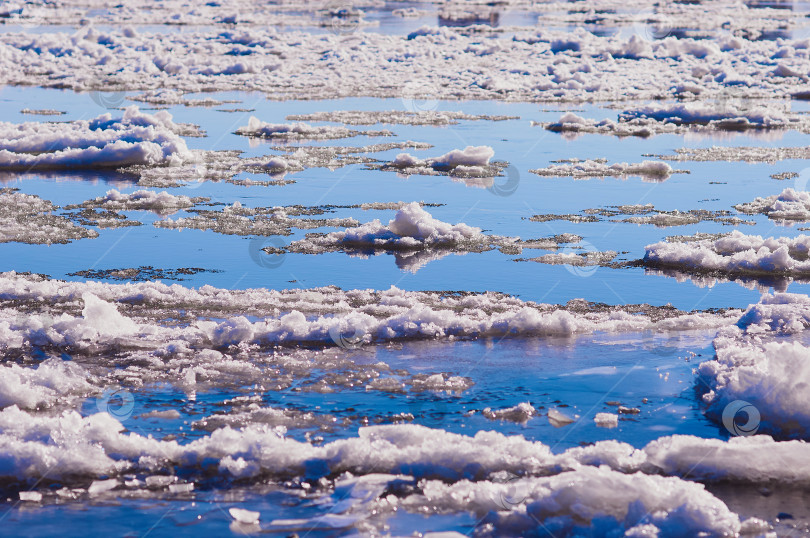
x: 301, y: 131
x: 646, y: 214
x: 26, y: 218
x: 400, y: 117
x: 414, y: 237
x: 468, y: 164
x: 579, y: 169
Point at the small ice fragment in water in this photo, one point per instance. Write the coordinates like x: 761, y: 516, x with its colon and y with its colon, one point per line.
x: 246, y: 517
x: 33, y: 496
x: 181, y: 488
x: 519, y: 413
x: 606, y: 420
x: 558, y: 418
x: 159, y: 481
x: 101, y: 486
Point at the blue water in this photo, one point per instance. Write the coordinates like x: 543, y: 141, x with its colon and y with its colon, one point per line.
x: 578, y: 376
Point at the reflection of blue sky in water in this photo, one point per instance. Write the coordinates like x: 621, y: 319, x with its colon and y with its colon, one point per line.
x: 711, y: 186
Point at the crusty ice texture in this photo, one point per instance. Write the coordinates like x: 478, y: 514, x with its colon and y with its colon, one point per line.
x: 135, y: 138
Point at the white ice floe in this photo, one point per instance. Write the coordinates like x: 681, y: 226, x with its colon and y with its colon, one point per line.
x: 471, y: 162
x: 411, y: 228
x: 651, y: 170
x: 566, y: 489
x: 26, y: 218
x: 160, y: 202
x: 399, y: 117
x: 789, y: 205
x: 521, y: 413
x: 31, y: 388
x: 681, y: 118
x: 756, y: 381
x: 734, y: 254
x: 476, y: 63
x: 606, y: 420
x: 300, y: 131
x: 135, y: 138
x: 97, y: 315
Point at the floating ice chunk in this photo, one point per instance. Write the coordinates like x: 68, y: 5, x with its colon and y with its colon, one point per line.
x: 681, y: 118
x: 412, y: 228
x: 419, y: 117
x: 300, y: 131
x: 161, y: 202
x: 471, y: 162
x: 522, y: 412
x: 576, y: 501
x: 469, y: 156
x: 787, y: 205
x: 246, y: 517
x: 404, y: 160
x: 102, y: 486
x: 31, y: 496
x: 558, y: 418
x: 734, y: 254
x: 606, y: 420
x: 25, y: 218
x: 160, y: 481
x: 181, y: 488
x: 654, y: 170
x: 293, y: 317
x: 105, y: 319
x: 136, y: 138
x: 759, y: 382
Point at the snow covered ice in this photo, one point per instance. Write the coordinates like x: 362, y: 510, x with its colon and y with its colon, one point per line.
x: 202, y: 329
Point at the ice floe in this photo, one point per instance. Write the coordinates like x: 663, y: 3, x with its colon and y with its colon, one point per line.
x: 788, y: 205
x: 300, y: 131
x: 679, y: 118
x: 566, y: 66
x: 645, y: 214
x: 26, y: 218
x: 135, y: 138
x: 159, y: 202
x: 648, y: 170
x: 399, y: 117
x: 759, y: 377
x: 735, y: 254
x: 85, y: 316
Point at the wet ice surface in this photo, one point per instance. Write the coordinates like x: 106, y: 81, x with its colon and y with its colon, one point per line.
x: 246, y: 221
